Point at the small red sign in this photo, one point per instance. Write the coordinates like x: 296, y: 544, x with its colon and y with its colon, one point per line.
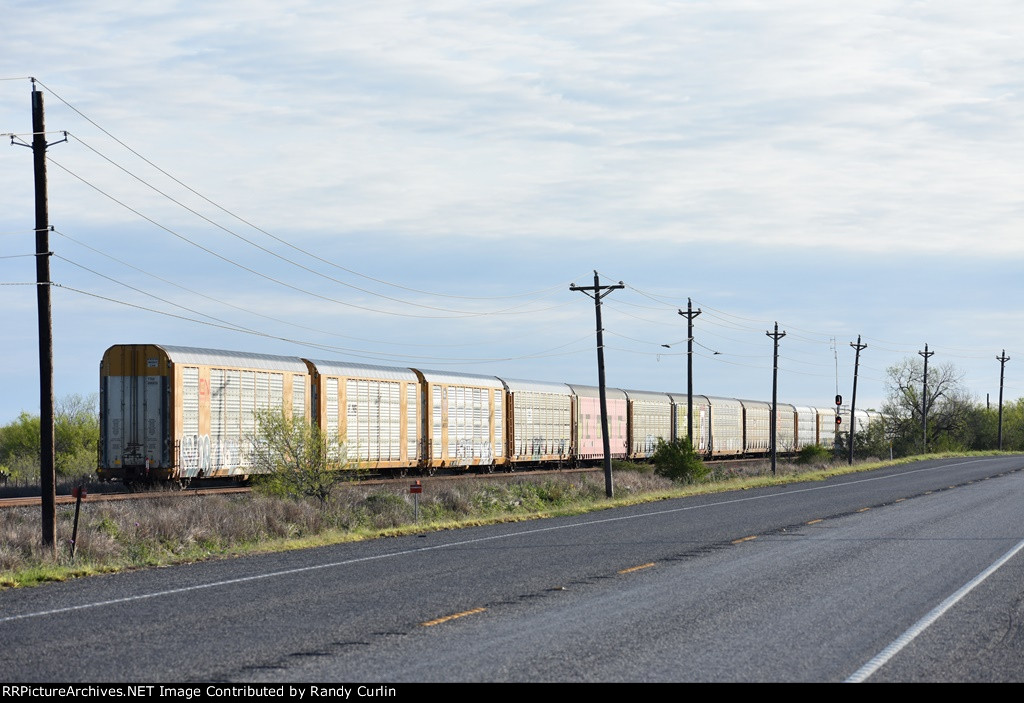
x: 416, y: 487
x: 78, y: 489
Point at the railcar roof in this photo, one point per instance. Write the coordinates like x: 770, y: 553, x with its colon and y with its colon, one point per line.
x: 233, y: 359
x: 461, y: 379
x: 341, y: 368
x: 515, y: 385
x: 650, y: 396
x: 680, y: 398
x: 595, y: 392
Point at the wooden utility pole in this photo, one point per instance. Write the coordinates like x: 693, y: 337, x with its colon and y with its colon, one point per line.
x: 689, y: 315
x: 853, y: 402
x: 47, y: 472
x: 776, y: 336
x: 596, y: 293
x: 924, y: 399
x: 1002, y: 367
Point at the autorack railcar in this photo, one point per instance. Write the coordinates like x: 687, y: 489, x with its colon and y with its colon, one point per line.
x: 173, y: 413
x: 701, y: 420
x: 373, y: 410
x: 588, y: 438
x: 539, y: 419
x: 649, y: 419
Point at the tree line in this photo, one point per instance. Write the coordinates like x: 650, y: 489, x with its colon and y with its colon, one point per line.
x: 76, y: 438
x: 956, y: 421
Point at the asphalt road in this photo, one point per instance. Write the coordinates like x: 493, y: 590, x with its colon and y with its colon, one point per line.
x: 808, y: 582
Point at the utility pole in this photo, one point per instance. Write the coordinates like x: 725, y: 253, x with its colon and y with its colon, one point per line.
x: 47, y: 472
x: 853, y: 402
x: 924, y: 398
x: 689, y: 315
x: 597, y: 291
x: 776, y: 336
x: 1002, y: 367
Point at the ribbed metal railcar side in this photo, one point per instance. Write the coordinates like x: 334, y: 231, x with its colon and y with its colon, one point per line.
x: 826, y: 427
x: 806, y: 426
x: 171, y: 413
x: 372, y: 411
x: 726, y: 426
x: 588, y: 440
x: 701, y: 417
x: 649, y: 419
x: 538, y: 421
x: 757, y: 417
x: 463, y: 420
x: 785, y: 428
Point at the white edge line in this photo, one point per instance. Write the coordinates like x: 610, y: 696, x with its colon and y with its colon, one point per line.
x: 880, y: 659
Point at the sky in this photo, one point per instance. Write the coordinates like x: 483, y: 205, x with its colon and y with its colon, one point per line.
x: 418, y: 184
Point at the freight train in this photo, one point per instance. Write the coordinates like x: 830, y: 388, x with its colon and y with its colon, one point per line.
x: 173, y: 413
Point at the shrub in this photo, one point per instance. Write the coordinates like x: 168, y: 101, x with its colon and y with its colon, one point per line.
x: 295, y: 458
x: 678, y: 461
x: 814, y: 454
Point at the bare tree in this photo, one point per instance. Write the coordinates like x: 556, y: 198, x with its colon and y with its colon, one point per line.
x: 948, y: 404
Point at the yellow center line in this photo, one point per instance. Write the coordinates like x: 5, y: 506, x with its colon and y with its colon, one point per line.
x: 744, y: 539
x: 863, y: 510
x: 812, y: 522
x: 446, y: 618
x: 637, y: 568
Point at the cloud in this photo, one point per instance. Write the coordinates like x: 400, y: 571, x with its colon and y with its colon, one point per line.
x: 847, y: 169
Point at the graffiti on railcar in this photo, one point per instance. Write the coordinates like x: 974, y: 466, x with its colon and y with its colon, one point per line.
x: 473, y: 449
x: 195, y: 455
x: 650, y: 444
x: 202, y: 455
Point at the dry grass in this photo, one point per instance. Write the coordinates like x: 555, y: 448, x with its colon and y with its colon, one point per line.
x: 127, y: 534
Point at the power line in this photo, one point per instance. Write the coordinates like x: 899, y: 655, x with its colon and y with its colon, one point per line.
x: 390, y: 358
x: 261, y: 230
x: 271, y: 252
x: 221, y: 301
x: 510, y: 311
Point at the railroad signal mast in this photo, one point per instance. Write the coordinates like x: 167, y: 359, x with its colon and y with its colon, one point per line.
x: 839, y: 421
